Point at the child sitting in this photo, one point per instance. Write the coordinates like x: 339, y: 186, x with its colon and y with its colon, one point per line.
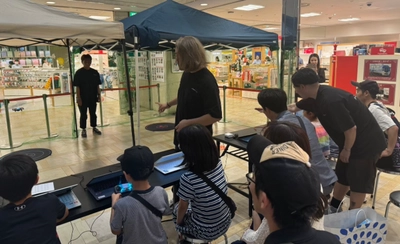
x: 131, y: 219
x: 26, y: 219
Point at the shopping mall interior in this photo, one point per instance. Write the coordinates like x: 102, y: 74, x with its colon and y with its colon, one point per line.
x: 355, y: 40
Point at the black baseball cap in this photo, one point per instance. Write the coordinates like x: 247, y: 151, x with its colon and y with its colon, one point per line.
x: 138, y: 162
x: 368, y: 85
x: 291, y: 183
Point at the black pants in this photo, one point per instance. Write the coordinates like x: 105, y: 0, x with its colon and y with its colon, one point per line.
x: 92, y: 111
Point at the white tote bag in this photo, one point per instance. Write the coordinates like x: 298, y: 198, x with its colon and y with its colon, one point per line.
x: 358, y: 226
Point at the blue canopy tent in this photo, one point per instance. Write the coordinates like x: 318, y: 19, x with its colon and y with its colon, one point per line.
x: 157, y: 28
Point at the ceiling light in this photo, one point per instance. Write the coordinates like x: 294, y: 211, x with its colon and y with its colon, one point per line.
x: 117, y: 8
x: 271, y: 28
x: 51, y: 2
x: 349, y: 19
x: 310, y: 15
x: 249, y: 7
x: 99, y: 17
x: 203, y: 4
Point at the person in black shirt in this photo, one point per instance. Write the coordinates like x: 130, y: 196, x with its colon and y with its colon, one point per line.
x: 353, y: 128
x: 286, y: 191
x: 87, y: 81
x: 198, y: 99
x: 314, y: 61
x: 26, y: 219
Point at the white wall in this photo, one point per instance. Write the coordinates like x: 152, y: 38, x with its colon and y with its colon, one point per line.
x: 378, y: 30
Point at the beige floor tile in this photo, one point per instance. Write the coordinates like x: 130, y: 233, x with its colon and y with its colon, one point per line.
x: 72, y: 156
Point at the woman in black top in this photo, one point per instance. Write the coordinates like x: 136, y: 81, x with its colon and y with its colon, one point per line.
x: 198, y: 99
x: 314, y: 61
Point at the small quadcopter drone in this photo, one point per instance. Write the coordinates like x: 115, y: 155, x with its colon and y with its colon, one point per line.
x: 17, y: 109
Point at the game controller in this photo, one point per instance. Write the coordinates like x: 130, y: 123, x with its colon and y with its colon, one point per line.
x: 122, y: 188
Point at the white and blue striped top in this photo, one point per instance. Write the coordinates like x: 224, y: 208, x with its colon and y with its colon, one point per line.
x: 208, y: 208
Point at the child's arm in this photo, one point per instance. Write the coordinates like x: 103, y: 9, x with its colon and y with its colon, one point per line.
x: 115, y: 223
x: 182, y: 209
x: 63, y: 217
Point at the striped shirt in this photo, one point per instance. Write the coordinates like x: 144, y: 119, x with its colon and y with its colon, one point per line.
x: 208, y: 208
x: 323, y: 138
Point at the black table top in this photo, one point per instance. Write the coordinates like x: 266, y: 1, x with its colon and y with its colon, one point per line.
x: 90, y: 205
x: 235, y: 142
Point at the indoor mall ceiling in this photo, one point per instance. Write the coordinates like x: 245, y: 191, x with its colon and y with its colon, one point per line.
x: 268, y: 17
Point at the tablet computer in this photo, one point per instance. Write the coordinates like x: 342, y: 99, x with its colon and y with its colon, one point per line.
x: 246, y: 138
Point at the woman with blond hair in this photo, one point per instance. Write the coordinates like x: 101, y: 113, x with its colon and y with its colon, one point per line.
x: 198, y: 99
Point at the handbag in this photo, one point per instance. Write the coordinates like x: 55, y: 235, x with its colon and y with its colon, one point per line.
x: 228, y: 201
x: 363, y: 225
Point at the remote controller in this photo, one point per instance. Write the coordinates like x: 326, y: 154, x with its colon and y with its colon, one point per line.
x: 122, y: 188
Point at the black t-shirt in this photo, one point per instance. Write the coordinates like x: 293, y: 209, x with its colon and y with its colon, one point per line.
x: 303, y: 235
x: 338, y: 111
x: 32, y: 222
x: 198, y: 95
x: 88, y: 82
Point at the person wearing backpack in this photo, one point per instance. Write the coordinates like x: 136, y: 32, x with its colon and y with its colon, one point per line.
x: 366, y: 92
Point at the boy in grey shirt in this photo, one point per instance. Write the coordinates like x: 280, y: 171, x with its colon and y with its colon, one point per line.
x: 129, y: 217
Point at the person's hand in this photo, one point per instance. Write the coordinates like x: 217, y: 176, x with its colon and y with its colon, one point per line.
x: 344, y: 155
x: 386, y: 153
x: 79, y: 101
x: 162, y: 107
x: 259, y: 109
x: 182, y: 124
x: 114, y: 198
x: 98, y: 98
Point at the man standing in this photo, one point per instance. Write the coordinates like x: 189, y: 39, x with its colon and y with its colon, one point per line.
x: 273, y: 102
x: 366, y: 92
x: 87, y: 81
x: 352, y: 127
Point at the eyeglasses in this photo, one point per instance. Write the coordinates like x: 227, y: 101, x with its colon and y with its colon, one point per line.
x: 250, y: 178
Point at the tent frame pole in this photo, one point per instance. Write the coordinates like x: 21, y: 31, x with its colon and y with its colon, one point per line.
x: 128, y: 87
x: 76, y: 134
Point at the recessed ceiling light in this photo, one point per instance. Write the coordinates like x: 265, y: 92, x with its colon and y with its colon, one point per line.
x: 99, y: 17
x: 249, y: 7
x: 306, y: 15
x: 117, y: 8
x: 271, y: 28
x: 203, y: 4
x: 349, y: 19
x: 51, y: 2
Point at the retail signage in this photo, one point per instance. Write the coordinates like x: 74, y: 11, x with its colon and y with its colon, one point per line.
x: 132, y: 14
x: 308, y: 50
x: 386, y: 93
x: 390, y: 44
x: 380, y: 70
x: 382, y: 50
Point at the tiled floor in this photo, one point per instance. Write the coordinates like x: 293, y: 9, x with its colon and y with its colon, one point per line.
x: 71, y: 156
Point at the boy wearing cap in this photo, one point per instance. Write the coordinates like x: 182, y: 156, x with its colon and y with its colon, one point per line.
x: 130, y: 217
x: 366, y: 91
x: 353, y: 128
x: 286, y: 190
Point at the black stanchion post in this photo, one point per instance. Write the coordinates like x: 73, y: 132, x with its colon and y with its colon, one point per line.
x: 46, y: 113
x: 10, y: 140
x: 224, y: 103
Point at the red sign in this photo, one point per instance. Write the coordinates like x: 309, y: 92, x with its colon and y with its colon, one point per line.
x: 382, y: 50
x: 308, y: 50
x: 386, y: 94
x: 380, y: 70
x: 390, y: 44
